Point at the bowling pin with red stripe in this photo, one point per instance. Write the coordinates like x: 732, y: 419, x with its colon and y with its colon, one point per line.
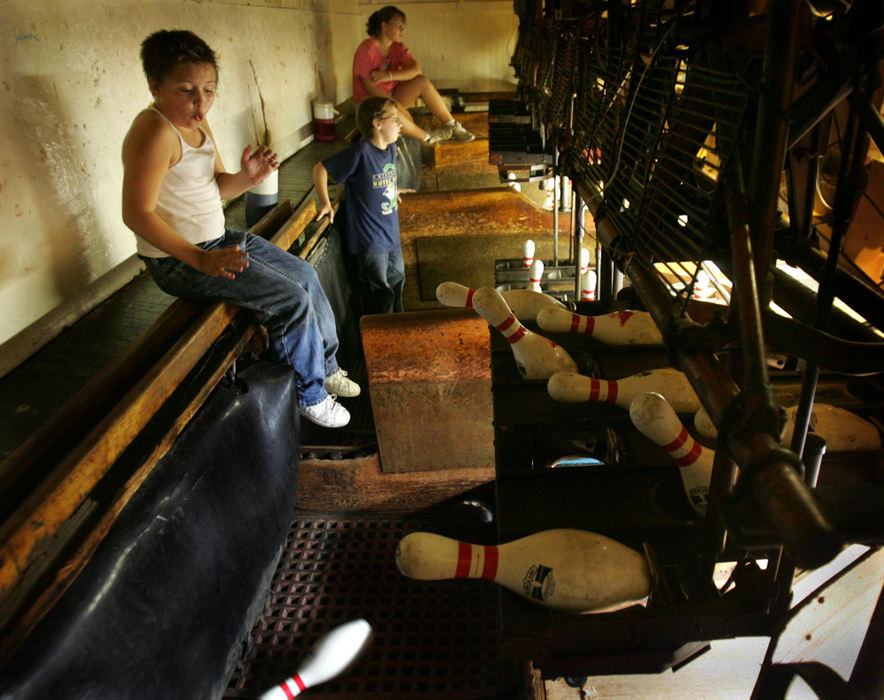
x: 536, y: 357
x: 528, y: 249
x: 330, y: 656
x: 618, y: 328
x: 587, y: 286
x: 536, y: 275
x: 654, y: 417
x: 524, y: 303
x: 568, y: 570
x: 570, y: 387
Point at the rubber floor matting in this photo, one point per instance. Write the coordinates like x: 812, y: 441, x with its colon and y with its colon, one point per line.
x: 432, y: 639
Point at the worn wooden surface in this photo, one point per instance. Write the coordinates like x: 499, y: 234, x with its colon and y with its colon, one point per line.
x: 486, y: 213
x: 359, y: 485
x: 430, y: 380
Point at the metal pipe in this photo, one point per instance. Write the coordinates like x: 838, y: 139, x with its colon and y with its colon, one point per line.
x: 772, y: 132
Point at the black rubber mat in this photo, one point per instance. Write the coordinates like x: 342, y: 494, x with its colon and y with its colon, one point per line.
x: 432, y: 639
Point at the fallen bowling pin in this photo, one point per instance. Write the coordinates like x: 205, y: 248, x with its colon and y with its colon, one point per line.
x: 536, y: 275
x: 570, y: 387
x: 536, y: 357
x: 329, y: 657
x: 528, y: 249
x: 568, y: 570
x: 620, y: 327
x: 654, y: 417
x: 843, y: 430
x: 524, y: 303
x: 587, y: 286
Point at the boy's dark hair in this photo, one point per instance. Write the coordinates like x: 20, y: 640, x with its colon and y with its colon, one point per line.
x: 369, y: 109
x: 385, y: 14
x: 165, y: 49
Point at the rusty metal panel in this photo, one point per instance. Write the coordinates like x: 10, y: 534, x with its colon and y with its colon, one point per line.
x: 430, y: 384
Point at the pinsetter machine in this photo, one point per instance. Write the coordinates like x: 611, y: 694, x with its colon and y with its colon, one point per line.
x: 702, y: 135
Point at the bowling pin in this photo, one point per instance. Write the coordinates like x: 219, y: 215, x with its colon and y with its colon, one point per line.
x: 568, y: 570
x: 524, y: 303
x: 584, y: 261
x: 620, y: 327
x: 843, y: 430
x: 570, y: 387
x: 528, y: 248
x: 536, y: 357
x: 330, y: 656
x: 536, y: 275
x: 654, y: 417
x: 587, y: 286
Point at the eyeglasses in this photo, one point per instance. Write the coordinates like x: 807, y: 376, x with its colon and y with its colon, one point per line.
x: 398, y: 25
x: 394, y: 117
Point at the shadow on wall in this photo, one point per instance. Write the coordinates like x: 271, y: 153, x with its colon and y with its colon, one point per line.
x: 54, y: 174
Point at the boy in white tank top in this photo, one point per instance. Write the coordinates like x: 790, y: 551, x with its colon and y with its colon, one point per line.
x: 173, y: 185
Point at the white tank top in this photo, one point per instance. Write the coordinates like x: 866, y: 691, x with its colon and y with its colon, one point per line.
x: 189, y: 200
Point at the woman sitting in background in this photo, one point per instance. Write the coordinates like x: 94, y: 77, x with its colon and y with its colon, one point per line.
x: 384, y: 66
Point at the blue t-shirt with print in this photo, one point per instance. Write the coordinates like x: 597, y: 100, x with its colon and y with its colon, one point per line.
x: 371, y: 204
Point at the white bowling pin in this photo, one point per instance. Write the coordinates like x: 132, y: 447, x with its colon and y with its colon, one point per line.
x: 536, y: 357
x: 843, y: 430
x: 568, y: 570
x: 524, y: 303
x: 528, y: 248
x: 536, y: 275
x: 587, y: 286
x: 570, y: 387
x: 584, y: 261
x: 330, y: 656
x: 654, y: 417
x: 620, y: 327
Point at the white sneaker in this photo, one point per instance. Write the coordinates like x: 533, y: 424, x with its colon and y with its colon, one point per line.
x: 328, y: 413
x: 458, y: 133
x: 338, y: 383
x: 441, y: 134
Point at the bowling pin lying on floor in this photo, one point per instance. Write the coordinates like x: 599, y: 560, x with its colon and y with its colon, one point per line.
x: 536, y: 275
x: 620, y: 327
x: 330, y: 656
x: 570, y: 387
x: 524, y: 303
x: 528, y: 248
x: 568, y: 570
x: 654, y: 417
x: 536, y: 357
x: 843, y: 430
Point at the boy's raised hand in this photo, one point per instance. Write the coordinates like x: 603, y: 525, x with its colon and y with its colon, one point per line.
x: 259, y: 164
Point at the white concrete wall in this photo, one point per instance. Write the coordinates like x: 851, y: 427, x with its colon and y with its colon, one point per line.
x: 72, y: 82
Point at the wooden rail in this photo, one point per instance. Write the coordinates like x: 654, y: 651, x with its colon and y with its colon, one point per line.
x: 77, y: 447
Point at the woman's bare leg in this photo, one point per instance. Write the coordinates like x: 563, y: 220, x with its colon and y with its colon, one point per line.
x: 407, y: 92
x: 409, y: 128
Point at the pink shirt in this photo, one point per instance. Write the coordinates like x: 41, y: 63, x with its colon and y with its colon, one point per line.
x: 368, y: 58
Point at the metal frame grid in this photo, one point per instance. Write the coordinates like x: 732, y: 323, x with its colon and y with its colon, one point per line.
x: 432, y: 639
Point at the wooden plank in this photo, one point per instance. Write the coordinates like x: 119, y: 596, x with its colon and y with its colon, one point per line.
x: 460, y: 158
x: 292, y: 229
x: 66, y: 575
x: 30, y: 529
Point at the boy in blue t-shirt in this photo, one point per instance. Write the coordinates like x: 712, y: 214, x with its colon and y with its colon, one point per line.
x: 371, y: 205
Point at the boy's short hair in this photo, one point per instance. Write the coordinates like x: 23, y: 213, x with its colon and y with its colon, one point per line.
x: 165, y: 49
x: 369, y: 109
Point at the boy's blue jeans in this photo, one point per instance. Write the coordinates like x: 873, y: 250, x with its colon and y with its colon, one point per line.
x: 380, y: 279
x: 285, y: 294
